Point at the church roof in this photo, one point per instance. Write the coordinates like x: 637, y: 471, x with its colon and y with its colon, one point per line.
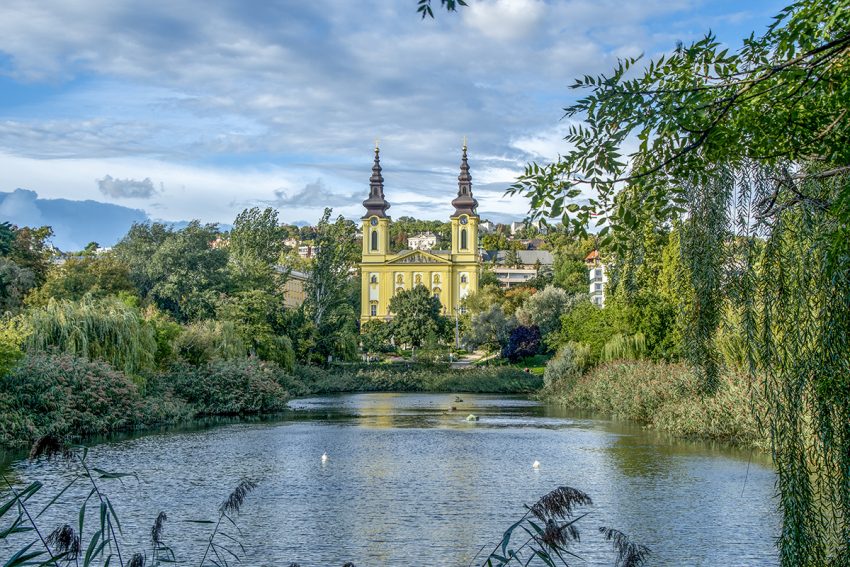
x: 376, y: 205
x: 464, y: 203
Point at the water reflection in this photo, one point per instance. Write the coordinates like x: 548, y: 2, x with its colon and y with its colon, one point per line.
x: 410, y: 477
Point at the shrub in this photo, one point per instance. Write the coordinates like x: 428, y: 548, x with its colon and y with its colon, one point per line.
x: 667, y: 397
x: 523, y: 342
x: 205, y: 341
x: 570, y: 362
x: 545, y: 309
x: 246, y: 385
x: 62, y: 394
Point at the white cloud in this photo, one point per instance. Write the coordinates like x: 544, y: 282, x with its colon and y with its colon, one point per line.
x: 126, y: 188
x: 505, y: 20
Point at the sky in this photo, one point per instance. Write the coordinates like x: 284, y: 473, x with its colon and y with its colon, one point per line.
x: 199, y: 108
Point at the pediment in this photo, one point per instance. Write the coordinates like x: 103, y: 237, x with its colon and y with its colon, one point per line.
x: 418, y: 257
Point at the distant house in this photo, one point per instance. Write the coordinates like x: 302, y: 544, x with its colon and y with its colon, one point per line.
x: 291, y: 243
x: 516, y: 268
x: 517, y: 226
x: 598, y: 278
x: 219, y: 242
x: 294, y: 290
x: 486, y: 227
x: 422, y: 241
x: 307, y: 250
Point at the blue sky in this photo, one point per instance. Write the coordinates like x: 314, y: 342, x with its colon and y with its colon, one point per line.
x: 197, y: 109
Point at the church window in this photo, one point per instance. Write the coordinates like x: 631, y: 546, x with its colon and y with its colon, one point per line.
x: 463, y: 278
x: 463, y: 245
x: 374, y: 278
x: 373, y: 310
x: 374, y: 240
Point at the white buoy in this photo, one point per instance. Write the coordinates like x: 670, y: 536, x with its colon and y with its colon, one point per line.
x: 324, y: 457
x: 535, y: 465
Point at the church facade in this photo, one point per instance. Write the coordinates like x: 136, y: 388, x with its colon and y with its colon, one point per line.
x: 449, y: 275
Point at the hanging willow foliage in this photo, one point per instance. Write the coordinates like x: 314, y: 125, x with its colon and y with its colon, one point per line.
x: 798, y: 317
x: 104, y: 329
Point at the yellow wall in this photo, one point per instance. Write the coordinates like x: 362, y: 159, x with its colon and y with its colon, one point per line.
x: 431, y: 270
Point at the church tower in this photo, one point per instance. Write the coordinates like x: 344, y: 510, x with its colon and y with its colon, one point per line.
x: 465, y: 231
x: 376, y: 223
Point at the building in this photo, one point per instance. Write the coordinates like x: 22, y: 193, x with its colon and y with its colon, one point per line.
x: 449, y: 275
x: 515, y: 268
x: 295, y: 289
x: 598, y: 278
x: 486, y: 227
x: 307, y: 250
x: 422, y: 241
x: 518, y: 226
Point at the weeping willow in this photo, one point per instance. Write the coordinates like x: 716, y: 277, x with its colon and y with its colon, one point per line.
x: 104, y: 329
x: 774, y: 242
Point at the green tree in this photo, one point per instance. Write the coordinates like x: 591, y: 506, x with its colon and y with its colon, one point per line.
x: 326, y: 305
x: 257, y: 315
x: 489, y: 329
x: 97, y: 276
x: 416, y: 316
x: 375, y: 336
x: 104, y: 329
x: 255, y: 246
x: 136, y: 250
x: 544, y: 310
x: 750, y: 144
x: 31, y: 251
x: 187, y: 274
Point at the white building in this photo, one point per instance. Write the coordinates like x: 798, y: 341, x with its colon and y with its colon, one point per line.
x: 422, y: 241
x: 598, y: 278
x: 486, y: 227
x: 527, y: 267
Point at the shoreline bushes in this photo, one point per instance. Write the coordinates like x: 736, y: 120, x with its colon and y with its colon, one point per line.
x: 661, y: 396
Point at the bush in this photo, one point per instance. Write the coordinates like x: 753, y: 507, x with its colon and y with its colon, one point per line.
x: 523, y: 342
x: 667, y: 397
x: 570, y: 362
x: 206, y: 341
x: 230, y: 387
x: 415, y: 378
x: 61, y: 394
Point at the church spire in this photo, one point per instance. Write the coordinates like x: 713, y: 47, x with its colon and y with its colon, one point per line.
x: 376, y: 205
x: 464, y: 203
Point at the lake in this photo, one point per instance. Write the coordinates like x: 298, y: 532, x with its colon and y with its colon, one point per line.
x: 408, y: 481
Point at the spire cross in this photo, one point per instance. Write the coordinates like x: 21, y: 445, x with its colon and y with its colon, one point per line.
x: 464, y: 142
x: 376, y: 144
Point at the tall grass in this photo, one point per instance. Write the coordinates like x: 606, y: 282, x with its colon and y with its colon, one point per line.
x: 666, y: 397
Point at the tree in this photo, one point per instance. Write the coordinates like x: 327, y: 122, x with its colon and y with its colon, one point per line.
x: 187, y: 274
x: 544, y: 310
x: 490, y: 329
x: 257, y: 316
x: 751, y: 145
x: 523, y: 342
x: 327, y: 289
x: 256, y: 243
x: 30, y: 250
x: 375, y: 336
x: 97, y: 276
x: 136, y: 250
x: 416, y: 316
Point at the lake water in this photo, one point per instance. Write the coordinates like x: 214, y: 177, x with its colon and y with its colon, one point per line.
x: 410, y: 482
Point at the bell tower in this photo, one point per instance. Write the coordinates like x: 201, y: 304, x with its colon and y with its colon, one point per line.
x: 465, y: 218
x: 376, y: 223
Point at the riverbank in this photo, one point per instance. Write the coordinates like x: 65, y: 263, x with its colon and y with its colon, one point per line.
x: 665, y: 397
x: 73, y: 399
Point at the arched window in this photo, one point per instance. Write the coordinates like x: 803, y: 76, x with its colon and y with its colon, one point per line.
x: 374, y: 240
x: 374, y: 278
x: 463, y: 239
x: 463, y: 278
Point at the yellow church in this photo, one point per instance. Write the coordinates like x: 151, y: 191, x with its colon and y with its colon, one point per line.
x: 450, y: 275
